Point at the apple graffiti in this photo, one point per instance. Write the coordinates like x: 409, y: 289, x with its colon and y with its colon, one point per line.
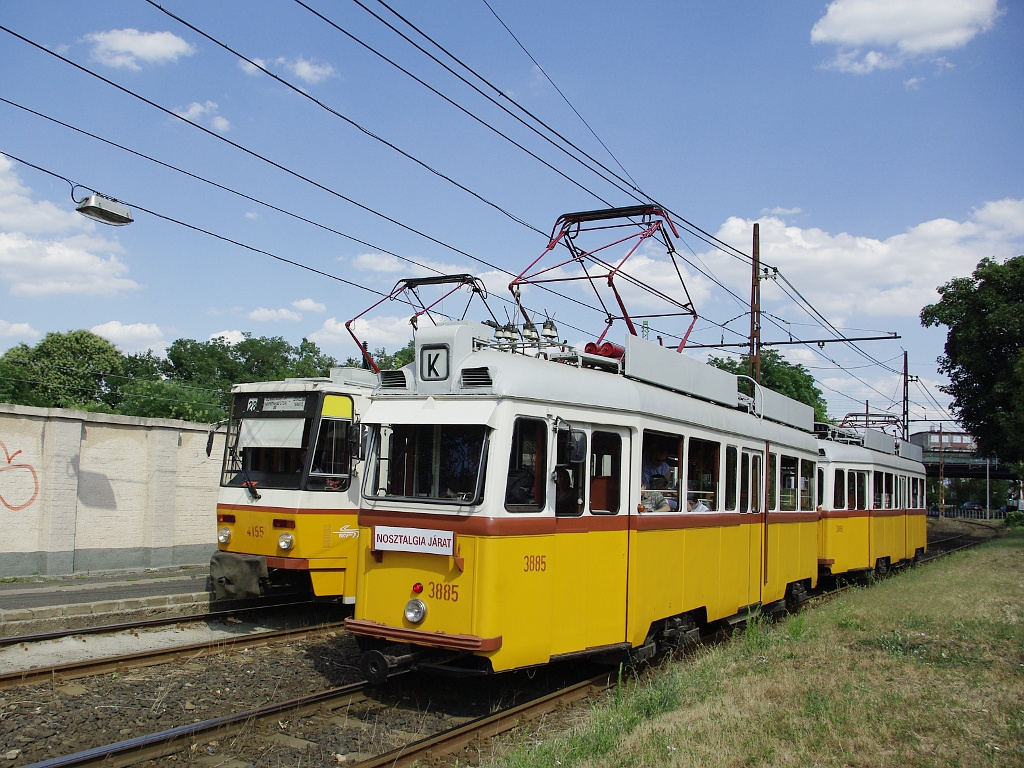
x: 19, y: 484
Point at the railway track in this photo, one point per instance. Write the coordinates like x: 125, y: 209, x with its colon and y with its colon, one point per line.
x: 118, y: 664
x: 473, y: 731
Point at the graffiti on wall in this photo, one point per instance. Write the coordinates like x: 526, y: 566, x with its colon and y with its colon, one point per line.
x: 19, y: 483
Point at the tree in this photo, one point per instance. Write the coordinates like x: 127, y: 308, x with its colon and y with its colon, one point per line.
x: 77, y: 369
x: 170, y: 400
x: 777, y: 374
x: 386, y: 361
x: 984, y: 353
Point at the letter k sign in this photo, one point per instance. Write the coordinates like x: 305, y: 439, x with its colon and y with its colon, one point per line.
x: 434, y: 363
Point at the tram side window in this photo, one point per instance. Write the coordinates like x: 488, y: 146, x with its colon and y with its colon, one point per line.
x: 702, y: 478
x: 745, y: 482
x: 807, y: 485
x: 755, y: 484
x: 605, y: 473
x: 524, y: 491
x: 731, y: 472
x: 773, y: 481
x: 329, y: 467
x: 862, y: 489
x: 788, y: 491
x: 839, y: 490
x: 660, y: 471
x: 888, y: 490
x: 878, y: 490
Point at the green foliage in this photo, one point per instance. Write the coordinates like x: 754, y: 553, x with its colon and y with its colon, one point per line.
x: 1014, y: 518
x: 984, y: 353
x: 791, y: 380
x: 82, y: 370
x: 385, y: 361
x: 77, y: 369
x: 171, y: 400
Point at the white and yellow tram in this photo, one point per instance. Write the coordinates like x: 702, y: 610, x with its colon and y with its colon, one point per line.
x: 472, y: 555
x: 286, y: 511
x: 524, y: 502
x: 871, y: 491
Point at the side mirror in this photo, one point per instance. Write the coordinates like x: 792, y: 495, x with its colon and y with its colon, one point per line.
x: 572, y: 446
x: 356, y: 441
x: 209, y: 442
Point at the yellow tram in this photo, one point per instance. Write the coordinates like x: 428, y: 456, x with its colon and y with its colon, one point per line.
x: 524, y: 501
x: 871, y: 491
x: 286, y: 511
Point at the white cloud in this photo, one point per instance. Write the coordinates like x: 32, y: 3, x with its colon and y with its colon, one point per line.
x: 845, y: 275
x: 392, y: 333
x: 130, y: 49
x: 38, y: 258
x: 884, y: 34
x: 309, y: 305
x: 20, y: 213
x: 379, y: 262
x: 262, y: 315
x: 308, y: 71
x: 206, y: 112
x: 39, y: 267
x: 18, y: 330
x: 133, y: 337
x: 231, y: 337
x: 780, y: 211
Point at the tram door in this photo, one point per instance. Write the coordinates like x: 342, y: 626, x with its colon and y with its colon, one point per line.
x: 752, y: 504
x: 591, y: 542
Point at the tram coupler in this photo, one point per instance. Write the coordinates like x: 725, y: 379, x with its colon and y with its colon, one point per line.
x: 377, y: 666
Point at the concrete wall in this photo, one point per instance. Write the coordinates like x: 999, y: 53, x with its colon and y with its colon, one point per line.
x: 83, y: 492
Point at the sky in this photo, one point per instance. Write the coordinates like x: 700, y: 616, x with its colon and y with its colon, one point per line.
x: 286, y: 163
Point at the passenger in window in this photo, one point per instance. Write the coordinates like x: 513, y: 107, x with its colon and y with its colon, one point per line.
x: 652, y: 499
x: 656, y: 465
x: 694, y: 504
x: 566, y: 498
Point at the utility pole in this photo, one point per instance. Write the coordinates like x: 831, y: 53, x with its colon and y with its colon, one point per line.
x: 907, y: 378
x: 942, y: 473
x: 755, y: 309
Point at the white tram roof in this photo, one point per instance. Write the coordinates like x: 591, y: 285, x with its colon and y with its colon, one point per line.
x: 852, y: 454
x: 452, y: 363
x: 346, y: 380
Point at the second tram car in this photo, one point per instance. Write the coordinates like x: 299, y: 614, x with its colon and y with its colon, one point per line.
x: 871, y: 493
x: 286, y: 512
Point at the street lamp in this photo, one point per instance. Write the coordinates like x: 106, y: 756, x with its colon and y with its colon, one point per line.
x: 105, y: 210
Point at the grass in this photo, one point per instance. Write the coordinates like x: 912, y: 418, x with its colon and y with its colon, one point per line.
x: 922, y: 669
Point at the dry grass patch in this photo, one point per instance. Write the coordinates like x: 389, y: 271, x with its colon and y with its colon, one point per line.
x: 923, y: 669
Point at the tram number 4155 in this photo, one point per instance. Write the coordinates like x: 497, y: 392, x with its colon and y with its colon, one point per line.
x: 534, y: 563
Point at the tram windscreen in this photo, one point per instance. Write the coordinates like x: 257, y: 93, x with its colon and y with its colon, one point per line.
x: 269, y: 441
x: 428, y: 462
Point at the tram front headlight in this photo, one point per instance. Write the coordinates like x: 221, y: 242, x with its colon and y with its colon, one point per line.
x: 415, y: 611
x: 224, y: 535
x: 285, y: 541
